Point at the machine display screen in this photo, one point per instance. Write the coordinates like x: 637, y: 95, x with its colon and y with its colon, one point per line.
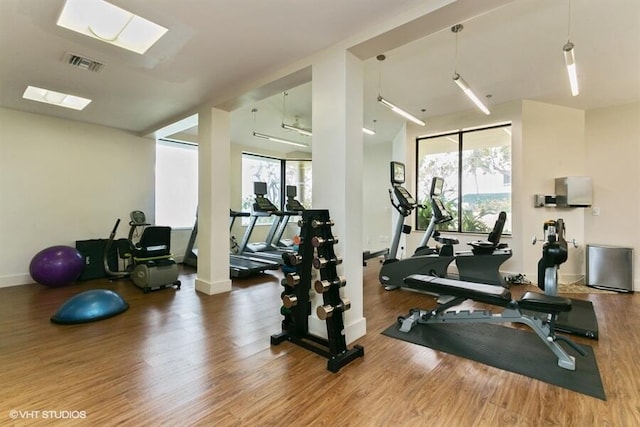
x: 260, y: 188
x: 436, y: 186
x: 397, y: 173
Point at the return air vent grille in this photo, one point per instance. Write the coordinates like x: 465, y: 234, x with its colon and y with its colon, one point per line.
x: 83, y: 62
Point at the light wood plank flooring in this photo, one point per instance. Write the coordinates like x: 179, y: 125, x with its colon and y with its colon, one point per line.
x: 180, y: 358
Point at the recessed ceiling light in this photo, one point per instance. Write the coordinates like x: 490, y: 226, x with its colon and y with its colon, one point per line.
x: 55, y: 98
x: 103, y: 21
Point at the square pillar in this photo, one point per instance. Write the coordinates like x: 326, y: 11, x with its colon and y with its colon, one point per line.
x: 337, y: 171
x: 214, y: 150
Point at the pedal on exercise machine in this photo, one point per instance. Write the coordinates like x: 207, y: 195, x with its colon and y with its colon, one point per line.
x: 581, y: 320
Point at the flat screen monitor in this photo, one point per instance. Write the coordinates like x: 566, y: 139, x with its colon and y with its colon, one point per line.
x: 397, y: 173
x: 260, y: 188
x: 436, y: 186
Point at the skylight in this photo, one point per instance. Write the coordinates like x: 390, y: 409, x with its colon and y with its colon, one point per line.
x: 55, y: 98
x: 111, y: 24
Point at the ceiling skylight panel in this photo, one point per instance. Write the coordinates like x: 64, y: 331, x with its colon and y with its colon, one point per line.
x: 111, y: 24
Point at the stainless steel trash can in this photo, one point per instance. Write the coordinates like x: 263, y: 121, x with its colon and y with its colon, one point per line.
x: 610, y: 267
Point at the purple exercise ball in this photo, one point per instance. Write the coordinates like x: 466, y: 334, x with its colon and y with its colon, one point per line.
x: 56, y: 266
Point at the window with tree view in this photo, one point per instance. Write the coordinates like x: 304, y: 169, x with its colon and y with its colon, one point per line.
x: 476, y: 168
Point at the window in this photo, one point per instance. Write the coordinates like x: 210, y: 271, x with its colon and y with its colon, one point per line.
x: 176, y: 184
x: 298, y: 174
x: 277, y: 173
x: 476, y: 167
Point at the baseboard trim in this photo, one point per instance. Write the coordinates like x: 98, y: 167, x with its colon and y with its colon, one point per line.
x: 212, y: 288
x: 15, y: 280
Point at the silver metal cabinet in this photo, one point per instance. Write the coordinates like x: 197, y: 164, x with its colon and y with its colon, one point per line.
x: 610, y: 267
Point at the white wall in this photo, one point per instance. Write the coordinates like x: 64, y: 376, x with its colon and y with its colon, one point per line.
x: 375, y: 184
x: 613, y: 159
x: 552, y: 147
x: 62, y: 181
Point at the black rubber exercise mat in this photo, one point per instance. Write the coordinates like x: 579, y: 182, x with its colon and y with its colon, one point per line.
x: 510, y: 349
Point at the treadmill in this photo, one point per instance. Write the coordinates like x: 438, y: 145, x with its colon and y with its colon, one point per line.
x: 294, y: 208
x: 246, y: 265
x: 239, y: 266
x: 263, y: 207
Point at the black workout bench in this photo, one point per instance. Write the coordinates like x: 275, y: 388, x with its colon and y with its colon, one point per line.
x: 458, y: 291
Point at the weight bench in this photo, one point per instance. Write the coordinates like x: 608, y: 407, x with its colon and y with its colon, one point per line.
x: 548, y: 307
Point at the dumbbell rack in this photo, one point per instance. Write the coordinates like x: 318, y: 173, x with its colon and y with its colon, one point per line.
x: 315, y: 251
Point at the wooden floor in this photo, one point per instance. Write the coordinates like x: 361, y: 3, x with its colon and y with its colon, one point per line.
x: 181, y: 358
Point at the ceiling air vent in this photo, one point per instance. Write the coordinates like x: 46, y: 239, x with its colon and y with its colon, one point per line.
x: 83, y: 62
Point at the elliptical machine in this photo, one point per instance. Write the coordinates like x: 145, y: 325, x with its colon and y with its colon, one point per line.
x: 425, y: 260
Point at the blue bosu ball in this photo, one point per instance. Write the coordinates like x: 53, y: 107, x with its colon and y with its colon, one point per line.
x: 89, y: 306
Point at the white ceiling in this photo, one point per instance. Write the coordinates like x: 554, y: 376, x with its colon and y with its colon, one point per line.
x: 214, y: 48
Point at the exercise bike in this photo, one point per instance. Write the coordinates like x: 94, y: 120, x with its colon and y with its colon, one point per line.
x: 425, y: 260
x: 147, y: 262
x: 480, y: 265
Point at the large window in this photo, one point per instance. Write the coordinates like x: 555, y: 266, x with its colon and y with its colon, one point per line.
x: 298, y: 174
x: 277, y: 173
x: 176, y: 184
x: 476, y: 168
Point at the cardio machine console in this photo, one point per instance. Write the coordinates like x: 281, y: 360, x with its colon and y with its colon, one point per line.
x: 262, y: 204
x: 404, y: 198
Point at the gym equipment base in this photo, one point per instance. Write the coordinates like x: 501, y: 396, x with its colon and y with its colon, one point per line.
x: 320, y: 346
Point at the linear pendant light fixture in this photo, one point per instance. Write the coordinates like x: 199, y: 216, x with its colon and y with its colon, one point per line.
x: 277, y: 139
x: 570, y: 60
x: 369, y: 131
x: 400, y: 111
x: 462, y: 84
x: 295, y: 127
x: 303, y: 131
x: 300, y: 130
x: 270, y: 137
x: 394, y: 107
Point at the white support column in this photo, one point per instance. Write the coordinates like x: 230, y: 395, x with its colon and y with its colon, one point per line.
x: 337, y: 171
x: 214, y: 149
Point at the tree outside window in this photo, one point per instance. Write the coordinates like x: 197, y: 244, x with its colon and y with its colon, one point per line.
x: 476, y: 168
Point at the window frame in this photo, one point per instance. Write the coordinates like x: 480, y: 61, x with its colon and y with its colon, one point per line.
x: 460, y: 136
x: 283, y: 179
